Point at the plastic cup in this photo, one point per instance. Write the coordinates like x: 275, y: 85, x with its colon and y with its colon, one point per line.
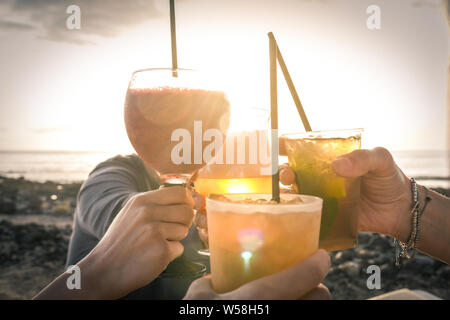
x: 252, y: 240
x: 310, y: 155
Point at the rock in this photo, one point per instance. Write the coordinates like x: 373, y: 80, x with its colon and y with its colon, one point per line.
x: 26, y: 197
x: 7, y: 248
x: 39, y: 251
x: 7, y: 205
x: 380, y: 258
x: 422, y: 260
x: 364, y: 237
x: 380, y: 243
x: 351, y: 269
x: 387, y: 269
x: 444, y: 273
x: 27, y: 201
x: 365, y: 254
x: 344, y: 255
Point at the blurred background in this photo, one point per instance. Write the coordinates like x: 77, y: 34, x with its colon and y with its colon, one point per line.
x: 62, y: 91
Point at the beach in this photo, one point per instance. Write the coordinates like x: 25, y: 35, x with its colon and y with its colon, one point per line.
x: 36, y: 224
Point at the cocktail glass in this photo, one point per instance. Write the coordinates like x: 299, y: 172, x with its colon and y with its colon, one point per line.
x: 310, y: 155
x: 251, y: 237
x: 162, y: 112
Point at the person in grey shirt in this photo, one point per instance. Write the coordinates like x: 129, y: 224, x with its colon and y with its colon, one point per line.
x: 101, y: 197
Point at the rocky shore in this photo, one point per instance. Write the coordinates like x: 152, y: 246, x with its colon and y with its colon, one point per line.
x: 33, y: 254
x: 20, y: 196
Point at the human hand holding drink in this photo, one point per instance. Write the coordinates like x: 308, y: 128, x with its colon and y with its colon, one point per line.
x: 386, y: 200
x: 385, y: 192
x: 301, y: 281
x: 161, y: 114
x: 141, y: 241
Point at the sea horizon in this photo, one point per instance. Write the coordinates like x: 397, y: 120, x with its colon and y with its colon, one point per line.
x: 431, y: 167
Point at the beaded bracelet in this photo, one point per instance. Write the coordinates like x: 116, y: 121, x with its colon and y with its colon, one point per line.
x: 408, y: 250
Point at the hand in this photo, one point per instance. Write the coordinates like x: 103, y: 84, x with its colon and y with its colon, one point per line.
x: 302, y: 281
x: 141, y: 241
x: 385, y: 191
x: 200, y: 221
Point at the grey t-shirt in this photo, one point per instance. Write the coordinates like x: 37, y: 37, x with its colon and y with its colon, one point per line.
x: 109, y: 186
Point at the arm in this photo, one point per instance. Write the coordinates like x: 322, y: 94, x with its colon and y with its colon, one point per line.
x: 434, y: 226
x: 91, y: 284
x: 147, y: 232
x: 106, y: 191
x: 386, y: 201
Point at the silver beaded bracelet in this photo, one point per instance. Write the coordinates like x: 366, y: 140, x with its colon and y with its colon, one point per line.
x: 408, y: 250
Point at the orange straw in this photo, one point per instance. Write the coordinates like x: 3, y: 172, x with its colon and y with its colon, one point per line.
x: 291, y: 86
x: 274, y: 117
x: 173, y: 37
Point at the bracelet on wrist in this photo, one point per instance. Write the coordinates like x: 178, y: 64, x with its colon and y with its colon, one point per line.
x: 408, y: 250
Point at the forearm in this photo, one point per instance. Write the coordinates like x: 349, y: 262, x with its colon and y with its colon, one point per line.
x: 434, y: 235
x: 434, y: 226
x: 62, y: 288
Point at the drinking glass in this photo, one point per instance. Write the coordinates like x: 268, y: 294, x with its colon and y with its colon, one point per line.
x: 310, y: 155
x: 251, y: 237
x: 165, y: 117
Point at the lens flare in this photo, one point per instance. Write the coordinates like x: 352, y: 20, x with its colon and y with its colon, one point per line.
x: 251, y: 239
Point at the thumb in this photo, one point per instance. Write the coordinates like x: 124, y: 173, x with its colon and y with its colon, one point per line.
x: 360, y: 162
x: 287, y: 175
x: 201, y: 289
x: 289, y: 284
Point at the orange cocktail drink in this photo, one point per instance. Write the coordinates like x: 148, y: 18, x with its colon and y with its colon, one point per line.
x: 207, y: 186
x: 251, y: 236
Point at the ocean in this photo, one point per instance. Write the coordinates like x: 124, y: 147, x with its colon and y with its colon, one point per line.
x: 432, y: 168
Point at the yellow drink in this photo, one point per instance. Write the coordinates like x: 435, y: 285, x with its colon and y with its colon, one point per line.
x: 310, y: 156
x: 207, y: 186
x: 251, y: 240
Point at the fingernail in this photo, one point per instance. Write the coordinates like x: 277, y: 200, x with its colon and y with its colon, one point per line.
x: 342, y: 164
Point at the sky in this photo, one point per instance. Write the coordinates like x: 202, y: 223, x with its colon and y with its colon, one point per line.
x: 64, y: 89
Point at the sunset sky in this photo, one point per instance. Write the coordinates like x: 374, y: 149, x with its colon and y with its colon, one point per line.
x: 64, y: 89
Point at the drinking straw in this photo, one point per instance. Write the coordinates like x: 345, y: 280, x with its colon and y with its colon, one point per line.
x: 274, y: 117
x: 173, y: 37
x: 291, y: 86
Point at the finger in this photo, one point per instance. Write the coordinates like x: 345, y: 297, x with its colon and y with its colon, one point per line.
x: 201, y: 289
x: 172, y: 231
x: 287, y: 175
x: 182, y: 213
x: 200, y: 220
x: 203, y: 234
x: 199, y: 200
x: 321, y: 292
x: 361, y: 162
x: 175, y: 249
x: 167, y: 196
x: 288, y: 284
